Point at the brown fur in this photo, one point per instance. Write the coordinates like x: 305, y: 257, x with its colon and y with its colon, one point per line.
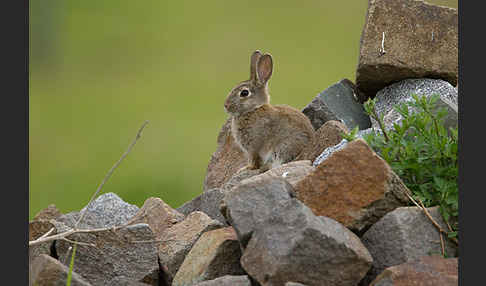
x: 269, y: 135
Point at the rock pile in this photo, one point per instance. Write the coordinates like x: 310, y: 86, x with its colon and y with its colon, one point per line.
x: 336, y: 215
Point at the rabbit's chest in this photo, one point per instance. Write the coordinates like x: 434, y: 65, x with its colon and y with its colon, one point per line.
x: 249, y: 132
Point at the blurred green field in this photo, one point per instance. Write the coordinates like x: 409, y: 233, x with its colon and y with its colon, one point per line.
x: 99, y: 69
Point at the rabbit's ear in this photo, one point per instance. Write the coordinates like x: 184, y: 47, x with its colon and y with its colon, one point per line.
x: 264, y: 68
x: 253, y: 64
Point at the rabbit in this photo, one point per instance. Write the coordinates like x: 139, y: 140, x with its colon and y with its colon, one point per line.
x: 269, y: 135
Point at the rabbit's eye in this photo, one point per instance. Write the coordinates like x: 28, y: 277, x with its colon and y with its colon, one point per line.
x: 244, y: 93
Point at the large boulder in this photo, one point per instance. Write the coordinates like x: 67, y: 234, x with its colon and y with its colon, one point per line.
x: 354, y: 186
x: 216, y: 253
x: 48, y: 271
x: 404, y: 235
x: 400, y: 92
x: 426, y: 271
x: 129, y: 251
x: 293, y: 245
x: 338, y: 102
x: 158, y: 215
x: 419, y: 39
x: 179, y: 239
x: 247, y: 205
x: 207, y: 202
x: 225, y: 161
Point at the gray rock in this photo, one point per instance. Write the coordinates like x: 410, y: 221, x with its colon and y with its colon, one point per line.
x: 338, y: 102
x: 292, y: 172
x: 125, y: 281
x: 400, y: 92
x: 419, y: 39
x: 116, y: 253
x: 294, y: 284
x: 158, y: 215
x: 292, y: 244
x: 105, y: 211
x: 49, y: 271
x: 37, y: 228
x: 207, y: 202
x: 403, y: 235
x: 228, y: 280
x: 215, y: 254
x: 179, y: 239
x: 238, y: 177
x: 247, y: 204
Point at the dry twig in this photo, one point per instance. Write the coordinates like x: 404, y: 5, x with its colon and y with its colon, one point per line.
x: 45, y: 237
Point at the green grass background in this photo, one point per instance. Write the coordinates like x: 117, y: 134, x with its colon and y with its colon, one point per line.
x: 99, y: 69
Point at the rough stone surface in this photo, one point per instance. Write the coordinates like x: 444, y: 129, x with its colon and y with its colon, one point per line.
x: 215, y: 254
x: 421, y: 40
x: 115, y: 254
x: 207, y: 202
x: 36, y: 229
x: 49, y: 271
x: 233, y: 280
x: 294, y: 284
x: 292, y: 172
x: 238, y: 177
x: 225, y: 161
x: 403, y: 235
x: 338, y: 102
x: 400, y: 92
x: 354, y: 186
x: 105, y: 211
x: 248, y: 204
x: 158, y: 215
x: 426, y: 271
x: 179, y: 239
x: 125, y: 281
x: 51, y: 212
x: 294, y: 245
x: 327, y: 135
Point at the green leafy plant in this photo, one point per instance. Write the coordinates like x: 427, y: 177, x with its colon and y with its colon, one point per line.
x: 422, y: 153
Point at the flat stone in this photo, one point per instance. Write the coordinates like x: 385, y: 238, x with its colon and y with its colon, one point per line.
x: 293, y: 245
x: 426, y: 271
x: 338, y: 102
x: 207, y: 202
x: 158, y: 215
x: 404, y: 235
x: 179, y: 239
x: 328, y: 135
x: 225, y: 161
x: 354, y: 186
x: 420, y: 40
x: 227, y: 280
x: 49, y: 271
x: 216, y: 253
x: 400, y: 93
x: 116, y: 253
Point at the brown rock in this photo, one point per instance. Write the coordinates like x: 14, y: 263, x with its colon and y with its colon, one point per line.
x: 158, y: 215
x: 329, y: 134
x: 36, y: 229
x: 225, y: 161
x: 51, y: 212
x: 179, y: 239
x: 427, y: 271
x: 421, y: 40
x: 354, y: 186
x: 215, y: 254
x: 47, y: 271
